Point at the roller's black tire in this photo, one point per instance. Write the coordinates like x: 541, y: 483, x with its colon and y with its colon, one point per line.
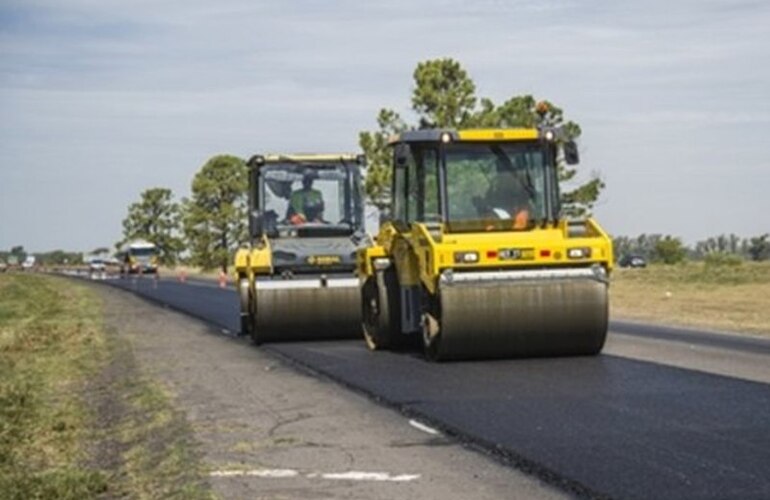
x: 380, y: 311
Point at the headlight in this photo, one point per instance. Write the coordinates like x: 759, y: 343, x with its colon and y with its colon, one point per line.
x: 579, y: 253
x: 466, y: 257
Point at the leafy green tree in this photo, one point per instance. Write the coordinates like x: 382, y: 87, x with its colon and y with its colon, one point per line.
x: 669, y: 250
x: 215, y: 216
x: 643, y: 245
x: 759, y: 248
x: 18, y: 253
x: 444, y: 96
x: 378, y: 157
x: 155, y: 218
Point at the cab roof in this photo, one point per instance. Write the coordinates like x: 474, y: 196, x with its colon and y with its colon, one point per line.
x: 310, y: 157
x: 469, y: 135
x: 306, y: 158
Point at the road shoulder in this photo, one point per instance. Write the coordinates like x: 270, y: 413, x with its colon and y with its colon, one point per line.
x: 265, y: 430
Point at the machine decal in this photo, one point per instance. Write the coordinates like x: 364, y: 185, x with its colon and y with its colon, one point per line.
x: 323, y: 260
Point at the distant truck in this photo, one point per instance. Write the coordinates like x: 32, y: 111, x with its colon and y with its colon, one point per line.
x: 138, y: 257
x: 29, y: 263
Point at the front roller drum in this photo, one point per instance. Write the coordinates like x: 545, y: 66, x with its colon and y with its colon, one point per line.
x: 518, y: 318
x: 288, y: 314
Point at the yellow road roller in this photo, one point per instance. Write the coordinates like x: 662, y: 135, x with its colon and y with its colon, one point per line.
x: 296, y: 280
x: 476, y: 258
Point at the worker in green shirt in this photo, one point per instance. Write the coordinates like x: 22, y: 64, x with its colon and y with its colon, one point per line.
x: 306, y: 204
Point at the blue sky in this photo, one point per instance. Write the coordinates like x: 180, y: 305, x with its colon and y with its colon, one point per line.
x: 101, y: 99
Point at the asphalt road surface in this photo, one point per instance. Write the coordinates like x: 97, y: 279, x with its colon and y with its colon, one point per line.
x: 663, y: 413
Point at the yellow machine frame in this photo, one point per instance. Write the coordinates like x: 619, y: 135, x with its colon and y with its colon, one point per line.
x: 423, y: 252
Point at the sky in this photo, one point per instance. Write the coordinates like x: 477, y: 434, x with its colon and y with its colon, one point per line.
x: 102, y: 99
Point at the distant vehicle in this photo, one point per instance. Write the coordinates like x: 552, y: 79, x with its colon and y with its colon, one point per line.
x: 632, y: 261
x: 96, y: 265
x: 97, y: 269
x: 28, y: 263
x: 138, y: 257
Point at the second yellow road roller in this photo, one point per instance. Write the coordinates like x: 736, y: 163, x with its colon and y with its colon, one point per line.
x: 476, y: 259
x: 296, y: 280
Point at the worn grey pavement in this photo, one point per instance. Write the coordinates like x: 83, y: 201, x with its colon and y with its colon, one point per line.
x: 267, y: 430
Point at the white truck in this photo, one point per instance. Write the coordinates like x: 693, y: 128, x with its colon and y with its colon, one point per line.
x: 138, y: 257
x: 29, y: 263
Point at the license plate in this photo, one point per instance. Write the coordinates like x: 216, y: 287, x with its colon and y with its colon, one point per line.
x: 516, y: 253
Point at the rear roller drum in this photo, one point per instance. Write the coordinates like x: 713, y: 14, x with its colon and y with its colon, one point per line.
x: 244, y: 296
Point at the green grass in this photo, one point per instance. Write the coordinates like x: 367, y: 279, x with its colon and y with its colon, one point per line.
x: 50, y: 342
x: 78, y: 419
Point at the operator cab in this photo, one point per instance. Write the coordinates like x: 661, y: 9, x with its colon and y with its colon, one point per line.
x: 474, y: 180
x: 293, y: 196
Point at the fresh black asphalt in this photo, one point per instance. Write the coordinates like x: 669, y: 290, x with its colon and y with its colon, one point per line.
x: 604, y: 426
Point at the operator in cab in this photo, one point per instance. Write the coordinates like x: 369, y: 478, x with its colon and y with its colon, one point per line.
x: 306, y: 204
x: 507, y: 198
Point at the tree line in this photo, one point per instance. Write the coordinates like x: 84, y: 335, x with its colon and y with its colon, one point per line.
x: 724, y: 248
x: 207, y: 227
x: 17, y: 254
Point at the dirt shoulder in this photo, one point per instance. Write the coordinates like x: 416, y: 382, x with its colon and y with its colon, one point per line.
x: 722, y: 298
x: 265, y: 430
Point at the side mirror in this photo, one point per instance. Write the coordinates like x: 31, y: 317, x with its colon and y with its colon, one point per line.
x: 401, y: 156
x: 256, y: 224
x: 571, y: 155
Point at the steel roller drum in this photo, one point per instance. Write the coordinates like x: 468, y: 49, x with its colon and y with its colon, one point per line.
x: 523, y: 314
x: 307, y: 310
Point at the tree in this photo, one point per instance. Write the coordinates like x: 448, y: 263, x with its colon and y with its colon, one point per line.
x: 59, y: 257
x: 669, y: 250
x: 155, y: 218
x: 444, y: 96
x: 215, y: 216
x: 759, y: 248
x: 378, y: 158
x: 18, y: 253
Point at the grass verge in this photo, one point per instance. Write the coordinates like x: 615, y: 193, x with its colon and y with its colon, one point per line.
x: 77, y: 420
x: 730, y: 296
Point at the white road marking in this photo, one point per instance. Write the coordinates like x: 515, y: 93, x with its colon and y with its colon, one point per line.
x: 333, y: 476
x: 370, y: 476
x: 424, y: 428
x: 270, y: 473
